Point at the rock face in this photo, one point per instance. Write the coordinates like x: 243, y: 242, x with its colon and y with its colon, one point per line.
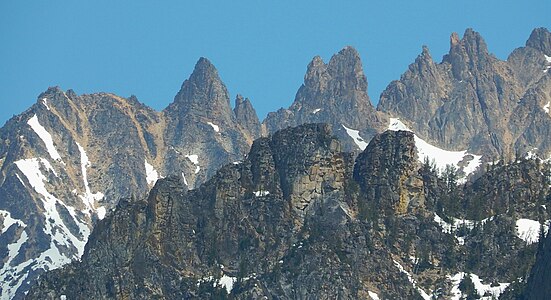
x: 67, y: 161
x: 201, y: 129
x: 390, y: 192
x: 300, y: 219
x: 472, y: 100
x: 333, y: 93
x: 247, y: 117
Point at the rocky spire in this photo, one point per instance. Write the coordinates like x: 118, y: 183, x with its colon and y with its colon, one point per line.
x: 246, y: 116
x: 419, y: 92
x: 201, y: 129
x: 347, y: 72
x: 540, y: 39
x: 343, y: 73
x: 334, y: 93
x: 203, y: 94
x: 468, y: 54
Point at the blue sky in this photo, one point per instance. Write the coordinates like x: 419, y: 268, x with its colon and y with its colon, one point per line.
x: 260, y: 48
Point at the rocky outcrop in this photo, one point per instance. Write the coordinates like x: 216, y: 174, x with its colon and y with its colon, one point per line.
x: 333, y: 93
x: 396, y: 192
x: 297, y: 218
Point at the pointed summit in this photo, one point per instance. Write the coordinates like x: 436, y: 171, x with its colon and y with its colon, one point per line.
x: 346, y: 68
x: 246, y: 116
x: 204, y: 70
x: 424, y: 58
x: 540, y: 39
x: 316, y: 74
x: 203, y: 94
x: 334, y: 93
x: 471, y: 44
x: 468, y: 54
x: 349, y: 56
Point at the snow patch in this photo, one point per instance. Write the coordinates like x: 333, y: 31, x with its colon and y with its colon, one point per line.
x: 440, y: 156
x: 485, y: 291
x: 261, y: 193
x: 184, y: 176
x: 151, y: 174
x: 214, y: 126
x: 45, y: 136
x: 88, y: 198
x: 9, y: 221
x: 412, y: 281
x: 548, y: 60
x: 55, y: 227
x: 225, y: 281
x: 529, y: 230
x: 373, y: 295
x: 355, y: 135
x: 9, y: 274
x: 315, y: 111
x: 100, y: 211
x: 11, y: 278
x: 194, y: 158
x: 546, y: 107
x: 456, y: 224
x: 61, y: 238
x: 45, y: 102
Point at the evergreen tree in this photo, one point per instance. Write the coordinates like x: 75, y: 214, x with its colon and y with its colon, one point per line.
x: 450, y: 177
x: 467, y: 288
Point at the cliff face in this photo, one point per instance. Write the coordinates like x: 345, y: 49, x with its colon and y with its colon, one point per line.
x: 298, y: 218
x: 537, y: 284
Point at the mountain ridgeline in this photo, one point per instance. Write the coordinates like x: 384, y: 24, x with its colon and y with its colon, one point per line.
x: 103, y: 197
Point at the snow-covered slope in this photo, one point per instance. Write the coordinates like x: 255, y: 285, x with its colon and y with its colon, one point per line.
x: 462, y: 160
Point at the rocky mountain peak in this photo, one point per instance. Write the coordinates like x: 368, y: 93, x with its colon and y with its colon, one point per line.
x: 425, y: 53
x: 454, y: 39
x: 540, y: 39
x: 53, y: 90
x: 203, y: 94
x: 346, y: 68
x: 316, y: 74
x: 334, y: 93
x: 473, y: 42
x: 468, y: 54
x: 423, y: 63
x: 246, y: 116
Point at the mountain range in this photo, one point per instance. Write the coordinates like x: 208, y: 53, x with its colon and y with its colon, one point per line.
x: 440, y: 190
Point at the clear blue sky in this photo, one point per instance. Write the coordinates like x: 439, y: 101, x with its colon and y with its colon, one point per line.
x: 261, y: 48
